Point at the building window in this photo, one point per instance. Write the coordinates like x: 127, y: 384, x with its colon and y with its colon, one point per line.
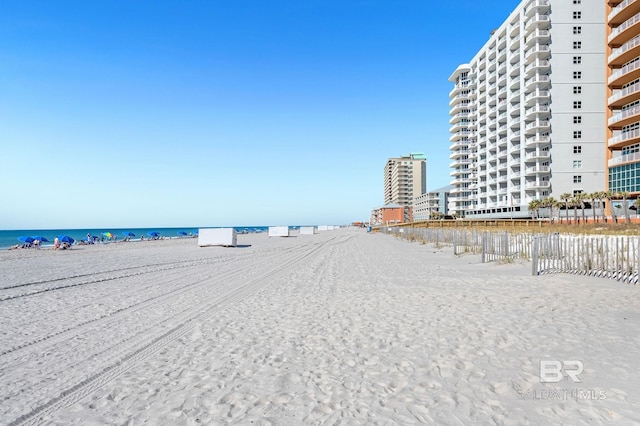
x: 577, y: 119
x: 577, y: 164
x: 577, y: 179
x: 576, y: 89
x: 577, y: 134
x: 577, y: 104
x: 577, y: 60
x: 577, y: 45
x: 577, y: 30
x: 577, y: 15
x: 577, y: 149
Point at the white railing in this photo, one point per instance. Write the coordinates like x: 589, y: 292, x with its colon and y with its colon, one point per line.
x: 624, y: 114
x: 633, y: 134
x: 629, y: 158
x: 624, y: 48
x: 624, y: 70
x: 619, y: 8
x: 624, y: 26
x: 635, y: 87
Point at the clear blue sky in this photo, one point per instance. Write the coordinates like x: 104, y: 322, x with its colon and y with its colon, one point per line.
x: 218, y: 113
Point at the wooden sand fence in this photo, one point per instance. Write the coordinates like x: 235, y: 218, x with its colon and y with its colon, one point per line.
x: 613, y: 257
x: 493, y: 246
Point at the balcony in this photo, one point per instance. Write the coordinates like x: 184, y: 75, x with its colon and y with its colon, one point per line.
x: 629, y: 158
x: 531, y: 112
x: 624, y: 96
x: 539, y: 65
x: 623, y: 54
x: 538, y: 184
x: 537, y: 79
x: 537, y: 140
x: 537, y: 170
x: 625, y: 75
x: 536, y: 36
x: 537, y: 126
x: 623, y: 12
x: 537, y: 51
x: 536, y: 96
x: 462, y: 134
x: 535, y: 155
x: 536, y: 6
x: 619, y: 34
x: 539, y: 20
x: 624, y: 139
x: 462, y: 116
x: 625, y: 117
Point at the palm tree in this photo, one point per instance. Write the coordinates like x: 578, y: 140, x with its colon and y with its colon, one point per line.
x: 581, y: 197
x: 550, y: 203
x: 574, y: 203
x: 534, y: 208
x: 601, y: 197
x: 592, y: 197
x: 610, y: 195
x: 624, y: 195
x: 636, y: 203
x: 566, y: 197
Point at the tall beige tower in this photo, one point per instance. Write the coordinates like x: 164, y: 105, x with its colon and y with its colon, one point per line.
x: 405, y: 177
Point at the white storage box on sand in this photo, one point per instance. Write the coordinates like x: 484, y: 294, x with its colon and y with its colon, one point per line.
x: 278, y: 231
x: 307, y: 230
x: 217, y: 237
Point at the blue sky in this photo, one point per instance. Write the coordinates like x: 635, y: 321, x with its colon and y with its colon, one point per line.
x: 218, y: 113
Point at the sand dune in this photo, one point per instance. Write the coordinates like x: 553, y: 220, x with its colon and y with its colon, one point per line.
x: 342, y: 327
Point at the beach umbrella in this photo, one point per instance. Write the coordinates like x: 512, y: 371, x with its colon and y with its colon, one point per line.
x: 128, y: 234
x: 40, y: 238
x: 182, y: 233
x: 153, y: 234
x: 107, y: 234
x: 28, y: 240
x: 65, y: 239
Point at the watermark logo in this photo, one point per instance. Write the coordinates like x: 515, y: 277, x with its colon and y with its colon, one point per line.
x: 552, y: 371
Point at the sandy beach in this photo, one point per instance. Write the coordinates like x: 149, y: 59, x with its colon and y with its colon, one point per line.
x: 341, y: 327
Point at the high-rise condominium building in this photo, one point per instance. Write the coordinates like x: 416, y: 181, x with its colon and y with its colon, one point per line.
x: 404, y: 178
x: 623, y: 78
x: 528, y: 111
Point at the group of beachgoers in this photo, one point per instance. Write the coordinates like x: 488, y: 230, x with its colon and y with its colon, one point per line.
x: 35, y: 244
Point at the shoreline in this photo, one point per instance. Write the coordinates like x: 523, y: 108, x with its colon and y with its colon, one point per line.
x: 309, y: 330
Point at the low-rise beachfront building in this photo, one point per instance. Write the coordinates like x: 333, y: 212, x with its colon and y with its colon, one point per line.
x: 528, y: 111
x: 390, y: 214
x: 623, y: 102
x: 433, y: 203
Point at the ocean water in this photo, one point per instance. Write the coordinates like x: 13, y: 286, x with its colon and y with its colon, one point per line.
x: 11, y: 238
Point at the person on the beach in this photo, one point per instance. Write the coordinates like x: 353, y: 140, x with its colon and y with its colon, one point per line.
x: 36, y: 244
x: 56, y: 244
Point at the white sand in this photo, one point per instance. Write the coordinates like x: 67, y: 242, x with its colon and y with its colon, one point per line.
x: 342, y: 327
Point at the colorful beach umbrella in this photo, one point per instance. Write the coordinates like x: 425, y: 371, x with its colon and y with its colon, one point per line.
x: 107, y: 234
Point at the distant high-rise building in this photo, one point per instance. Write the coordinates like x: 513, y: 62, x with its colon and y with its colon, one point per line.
x: 623, y: 115
x: 405, y: 177
x: 528, y: 111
